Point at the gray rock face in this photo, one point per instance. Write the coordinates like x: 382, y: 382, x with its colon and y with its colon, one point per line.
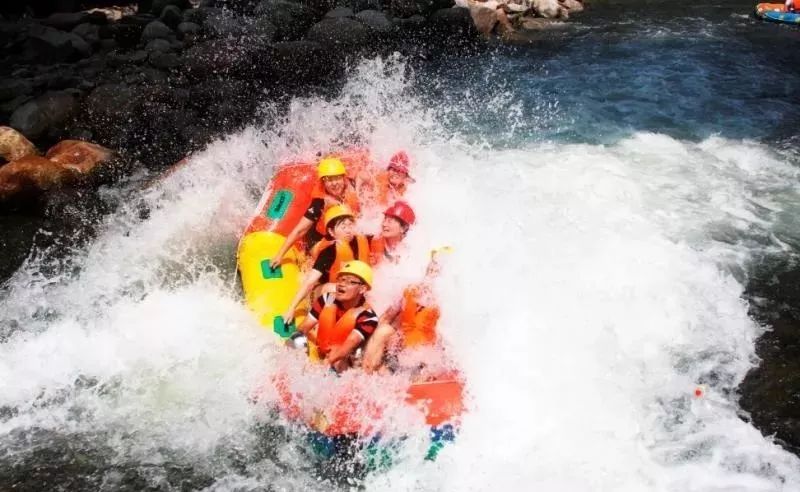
x: 46, y: 44
x: 377, y: 21
x: 156, y: 30
x: 171, y: 16
x: 161, y: 45
x: 51, y: 109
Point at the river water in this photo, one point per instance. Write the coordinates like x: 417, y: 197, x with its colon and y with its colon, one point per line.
x: 608, y: 191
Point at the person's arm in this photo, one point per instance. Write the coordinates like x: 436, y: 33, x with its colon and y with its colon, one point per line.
x: 299, y: 231
x: 309, y: 281
x: 306, y: 326
x: 346, y: 348
x: 376, y: 347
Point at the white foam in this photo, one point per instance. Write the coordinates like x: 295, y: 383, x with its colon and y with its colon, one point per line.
x: 591, y: 288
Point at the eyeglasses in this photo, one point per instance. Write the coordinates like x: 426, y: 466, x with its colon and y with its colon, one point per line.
x: 348, y: 283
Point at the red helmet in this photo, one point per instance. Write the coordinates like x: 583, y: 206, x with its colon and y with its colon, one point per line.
x: 400, y: 163
x: 403, y: 211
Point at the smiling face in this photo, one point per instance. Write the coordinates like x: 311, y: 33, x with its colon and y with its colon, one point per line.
x: 392, y: 227
x: 334, y: 185
x: 343, y: 229
x: 349, y: 287
x: 397, y: 179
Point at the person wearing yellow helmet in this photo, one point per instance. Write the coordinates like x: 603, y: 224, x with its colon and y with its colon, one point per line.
x: 341, y: 244
x: 334, y: 188
x: 341, y: 321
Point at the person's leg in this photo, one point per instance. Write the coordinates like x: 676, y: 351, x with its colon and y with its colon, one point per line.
x: 376, y: 347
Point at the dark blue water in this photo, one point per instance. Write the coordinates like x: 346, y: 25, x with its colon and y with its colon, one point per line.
x: 686, y: 69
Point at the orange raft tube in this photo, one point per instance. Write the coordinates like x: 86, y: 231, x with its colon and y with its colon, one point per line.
x: 355, y: 411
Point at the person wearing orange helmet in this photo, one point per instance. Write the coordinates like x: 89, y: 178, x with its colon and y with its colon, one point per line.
x: 334, y: 188
x: 341, y: 321
x: 397, y: 219
x: 340, y: 245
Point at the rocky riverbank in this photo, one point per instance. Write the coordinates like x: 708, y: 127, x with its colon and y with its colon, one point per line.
x: 162, y: 82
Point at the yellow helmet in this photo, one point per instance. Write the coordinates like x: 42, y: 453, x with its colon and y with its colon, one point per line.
x: 335, y: 212
x: 359, y: 269
x: 330, y: 166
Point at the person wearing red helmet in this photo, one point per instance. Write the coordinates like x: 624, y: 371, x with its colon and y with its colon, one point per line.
x: 397, y: 219
x: 392, y: 184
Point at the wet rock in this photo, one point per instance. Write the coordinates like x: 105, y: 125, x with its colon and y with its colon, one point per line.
x: 290, y: 19
x: 541, y: 24
x: 158, y: 45
x: 66, y: 21
x: 377, y: 21
x: 340, y: 12
x: 171, y: 16
x: 156, y: 30
x: 14, y: 145
x: 79, y: 156
x: 88, y: 32
x: 159, y: 6
x: 195, y: 16
x: 339, y: 33
x: 164, y: 61
x: 31, y: 174
x: 574, y: 6
x: 51, y: 109
x: 13, y: 88
x: 454, y: 23
x: 549, y: 9
x: 484, y: 17
x: 188, y: 28
x: 408, y: 8
x: 46, y: 44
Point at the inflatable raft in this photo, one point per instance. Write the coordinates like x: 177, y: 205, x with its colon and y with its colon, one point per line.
x: 776, y: 12
x: 268, y: 293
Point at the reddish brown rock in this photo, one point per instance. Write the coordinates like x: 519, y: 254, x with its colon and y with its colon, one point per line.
x: 14, y: 145
x: 77, y: 155
x: 31, y: 174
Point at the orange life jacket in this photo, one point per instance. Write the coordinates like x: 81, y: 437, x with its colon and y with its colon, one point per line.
x: 385, y: 193
x: 350, y: 199
x: 377, y: 250
x: 344, y: 253
x: 334, y: 326
x: 417, y: 322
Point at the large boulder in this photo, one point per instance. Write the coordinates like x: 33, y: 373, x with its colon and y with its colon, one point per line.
x: 79, y: 156
x: 339, y: 33
x: 156, y: 30
x: 14, y: 145
x: 289, y: 18
x: 573, y: 6
x: 88, y: 32
x: 31, y: 174
x: 377, y: 21
x: 66, y: 21
x: 171, y: 16
x: 45, y: 44
x: 52, y: 109
x: 549, y: 9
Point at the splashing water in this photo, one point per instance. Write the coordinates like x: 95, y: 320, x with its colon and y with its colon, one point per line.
x: 591, y: 288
